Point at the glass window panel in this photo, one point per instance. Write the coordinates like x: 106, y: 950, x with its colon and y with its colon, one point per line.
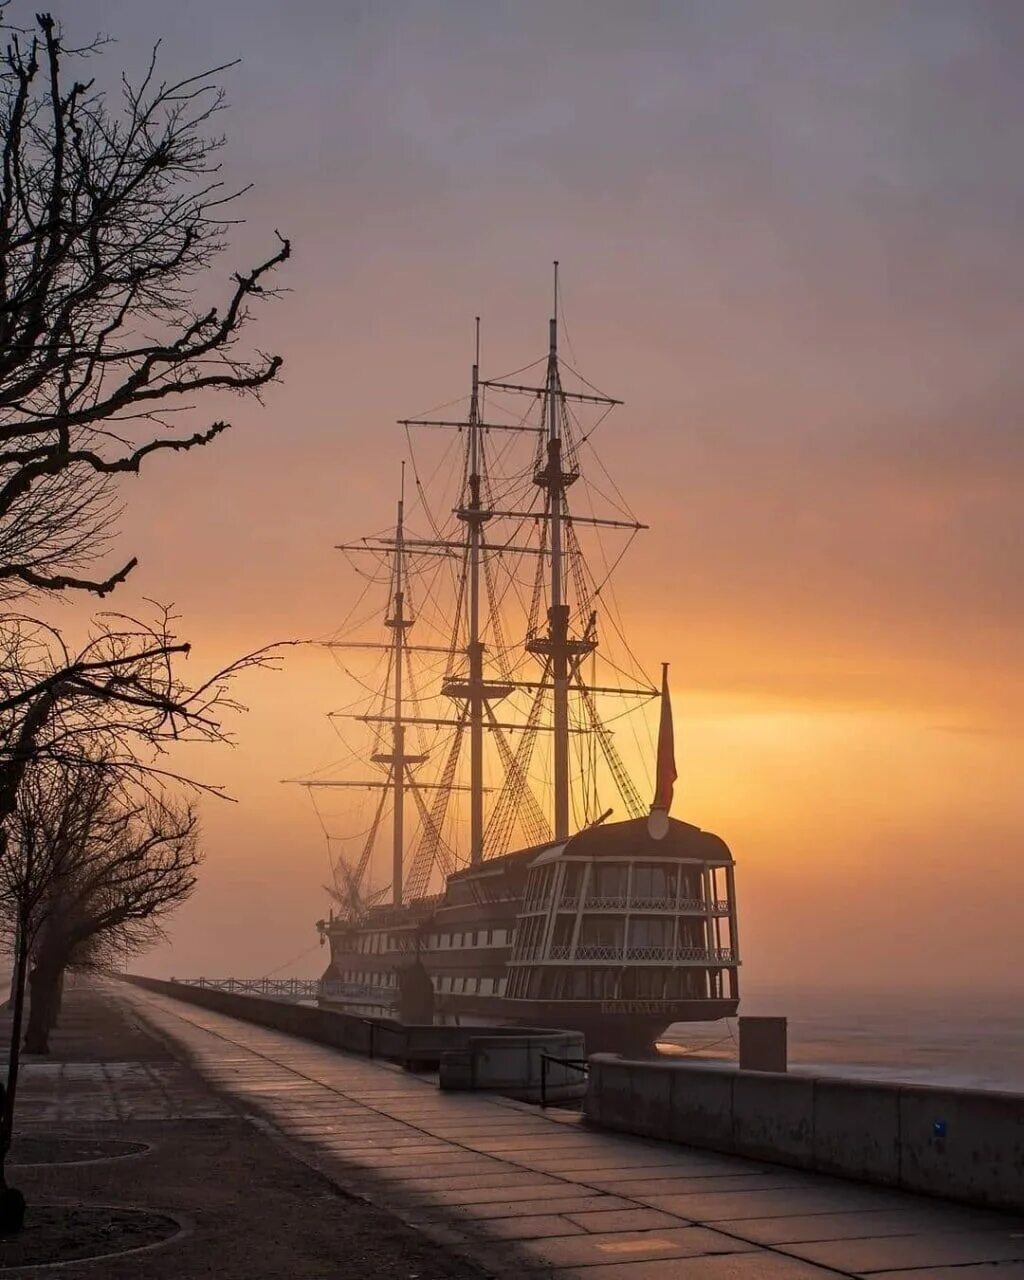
x: 601, y: 931
x: 608, y: 880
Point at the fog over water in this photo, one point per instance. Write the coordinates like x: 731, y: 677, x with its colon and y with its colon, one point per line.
x: 962, y: 1038
x: 790, y: 235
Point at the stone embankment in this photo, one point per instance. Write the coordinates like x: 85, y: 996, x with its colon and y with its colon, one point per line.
x: 506, y: 1060
x: 961, y: 1144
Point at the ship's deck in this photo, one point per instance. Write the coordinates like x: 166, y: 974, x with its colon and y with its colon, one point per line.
x: 518, y: 1190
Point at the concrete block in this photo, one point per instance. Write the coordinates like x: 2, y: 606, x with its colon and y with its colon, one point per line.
x: 967, y: 1144
x: 763, y: 1044
x: 651, y: 1098
x: 608, y: 1100
x: 358, y: 1032
x: 857, y: 1130
x: 702, y: 1103
x: 455, y: 1069
x: 773, y: 1117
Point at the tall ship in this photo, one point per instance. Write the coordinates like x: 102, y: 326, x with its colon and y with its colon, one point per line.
x: 492, y: 858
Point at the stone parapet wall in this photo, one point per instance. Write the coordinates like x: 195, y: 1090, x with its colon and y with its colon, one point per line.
x: 963, y: 1144
x: 482, y: 1062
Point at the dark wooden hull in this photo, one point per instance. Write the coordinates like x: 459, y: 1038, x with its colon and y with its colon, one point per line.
x: 627, y: 1027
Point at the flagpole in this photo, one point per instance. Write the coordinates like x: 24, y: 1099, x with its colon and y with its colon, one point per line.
x: 665, y: 773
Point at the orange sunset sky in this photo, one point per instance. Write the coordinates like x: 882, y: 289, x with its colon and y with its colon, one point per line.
x: 790, y: 240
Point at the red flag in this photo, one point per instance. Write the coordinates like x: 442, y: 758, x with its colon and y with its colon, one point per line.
x: 666, y: 774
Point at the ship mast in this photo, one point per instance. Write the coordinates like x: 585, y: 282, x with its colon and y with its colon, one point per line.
x: 558, y: 644
x: 398, y: 624
x: 555, y: 480
x: 475, y: 517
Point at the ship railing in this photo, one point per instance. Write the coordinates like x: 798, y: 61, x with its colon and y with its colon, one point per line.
x: 600, y: 952
x: 621, y: 903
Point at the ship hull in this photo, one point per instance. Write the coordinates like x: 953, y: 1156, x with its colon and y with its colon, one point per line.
x: 615, y: 934
x: 630, y: 1033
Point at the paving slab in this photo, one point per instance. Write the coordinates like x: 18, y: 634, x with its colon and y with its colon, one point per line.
x: 526, y: 1208
x: 984, y: 1271
x: 682, y: 1168
x: 429, y: 1183
x: 622, y: 1219
x: 501, y: 1194
x: 890, y: 1253
x: 733, y: 1266
x: 529, y: 1227
x: 629, y: 1246
x: 781, y: 1179
x: 867, y: 1223
x: 826, y: 1198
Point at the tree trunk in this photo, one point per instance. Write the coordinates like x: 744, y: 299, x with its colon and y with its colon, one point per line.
x: 44, y: 981
x: 14, y: 1050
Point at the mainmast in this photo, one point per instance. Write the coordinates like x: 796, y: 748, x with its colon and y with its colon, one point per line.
x: 556, y: 645
x: 475, y: 516
x: 556, y: 481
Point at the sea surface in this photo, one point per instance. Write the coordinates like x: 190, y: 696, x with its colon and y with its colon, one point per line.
x: 960, y: 1038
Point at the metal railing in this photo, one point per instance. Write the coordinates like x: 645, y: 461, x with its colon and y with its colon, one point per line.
x: 575, y: 1064
x: 278, y: 988
x: 619, y: 902
x: 712, y: 955
x: 357, y: 991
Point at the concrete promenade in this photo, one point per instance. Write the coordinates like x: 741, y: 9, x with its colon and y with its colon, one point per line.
x: 514, y: 1190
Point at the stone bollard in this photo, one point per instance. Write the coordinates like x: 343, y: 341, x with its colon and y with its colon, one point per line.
x: 763, y: 1044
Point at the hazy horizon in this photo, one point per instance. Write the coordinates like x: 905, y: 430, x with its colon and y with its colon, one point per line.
x: 789, y: 241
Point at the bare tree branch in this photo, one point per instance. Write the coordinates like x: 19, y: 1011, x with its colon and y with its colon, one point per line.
x: 110, y: 221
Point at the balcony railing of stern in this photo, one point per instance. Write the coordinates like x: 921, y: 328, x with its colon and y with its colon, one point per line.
x: 702, y: 955
x: 719, y: 906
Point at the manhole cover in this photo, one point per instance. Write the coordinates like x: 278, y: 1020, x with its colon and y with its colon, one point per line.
x: 74, y: 1232
x: 61, y: 1149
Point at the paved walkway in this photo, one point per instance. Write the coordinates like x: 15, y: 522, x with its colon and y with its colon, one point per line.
x: 518, y: 1190
x: 249, y: 1209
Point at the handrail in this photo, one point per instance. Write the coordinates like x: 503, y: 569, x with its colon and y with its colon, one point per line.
x: 576, y: 1064
x: 641, y: 902
x: 602, y: 952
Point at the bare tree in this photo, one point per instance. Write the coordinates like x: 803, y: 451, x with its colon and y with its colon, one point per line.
x: 92, y: 863
x: 110, y: 219
x: 134, y: 858
x: 120, y: 697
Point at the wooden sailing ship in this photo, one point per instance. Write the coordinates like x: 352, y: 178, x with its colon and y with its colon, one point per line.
x: 514, y: 895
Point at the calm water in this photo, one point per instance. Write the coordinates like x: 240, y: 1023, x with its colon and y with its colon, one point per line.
x: 974, y: 1041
